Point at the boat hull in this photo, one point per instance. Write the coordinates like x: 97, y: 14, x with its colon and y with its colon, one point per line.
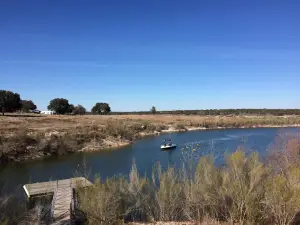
x: 167, y: 147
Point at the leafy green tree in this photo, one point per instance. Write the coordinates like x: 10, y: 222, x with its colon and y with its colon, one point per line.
x: 79, y: 110
x: 27, y: 105
x: 9, y: 101
x: 60, y: 105
x: 153, y: 110
x: 101, y: 108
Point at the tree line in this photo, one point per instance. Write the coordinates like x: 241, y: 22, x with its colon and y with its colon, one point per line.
x: 62, y: 106
x: 217, y: 112
x: 12, y: 102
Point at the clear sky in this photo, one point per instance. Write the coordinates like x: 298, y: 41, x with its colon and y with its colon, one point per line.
x: 137, y: 53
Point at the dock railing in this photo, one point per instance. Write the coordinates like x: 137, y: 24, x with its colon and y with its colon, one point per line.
x: 52, y: 203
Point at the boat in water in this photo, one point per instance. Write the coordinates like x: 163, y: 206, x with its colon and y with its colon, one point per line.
x: 167, y: 145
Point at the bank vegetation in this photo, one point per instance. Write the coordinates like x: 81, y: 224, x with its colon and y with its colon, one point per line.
x: 245, y: 190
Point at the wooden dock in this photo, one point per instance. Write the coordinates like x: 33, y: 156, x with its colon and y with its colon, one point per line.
x: 62, y: 191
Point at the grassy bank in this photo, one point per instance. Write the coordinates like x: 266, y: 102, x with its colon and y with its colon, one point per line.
x: 244, y: 191
x: 23, y: 137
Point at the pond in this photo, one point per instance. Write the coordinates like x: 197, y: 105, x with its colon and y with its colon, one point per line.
x: 146, y: 152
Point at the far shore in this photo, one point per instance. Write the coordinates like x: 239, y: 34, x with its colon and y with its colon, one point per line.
x: 222, y: 128
x: 27, y: 138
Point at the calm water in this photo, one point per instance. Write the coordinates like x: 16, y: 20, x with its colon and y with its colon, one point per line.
x: 146, y: 153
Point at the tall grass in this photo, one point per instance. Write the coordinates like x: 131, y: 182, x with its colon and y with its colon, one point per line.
x: 244, y: 191
x: 14, y: 210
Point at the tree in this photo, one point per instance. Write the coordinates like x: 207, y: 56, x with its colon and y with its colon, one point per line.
x: 27, y: 105
x: 60, y: 105
x: 71, y: 108
x: 79, y: 110
x: 9, y: 101
x: 101, y: 108
x: 153, y: 110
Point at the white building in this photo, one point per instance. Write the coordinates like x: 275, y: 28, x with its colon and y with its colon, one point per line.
x: 48, y: 112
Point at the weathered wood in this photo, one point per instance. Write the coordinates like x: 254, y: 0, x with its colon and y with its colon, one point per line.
x: 50, y: 186
x: 61, y: 210
x: 62, y: 191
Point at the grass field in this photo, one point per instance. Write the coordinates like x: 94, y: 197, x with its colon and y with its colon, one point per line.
x: 64, y: 122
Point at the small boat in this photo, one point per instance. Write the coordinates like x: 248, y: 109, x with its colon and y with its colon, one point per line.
x: 167, y: 145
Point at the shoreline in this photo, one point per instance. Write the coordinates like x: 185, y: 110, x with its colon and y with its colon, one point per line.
x: 143, y: 135
x: 56, y: 136
x: 223, y: 128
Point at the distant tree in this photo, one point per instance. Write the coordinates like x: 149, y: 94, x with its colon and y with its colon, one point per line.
x: 79, y: 110
x: 71, y: 108
x: 27, y: 105
x: 101, y: 108
x: 9, y: 101
x: 60, y: 106
x: 153, y: 110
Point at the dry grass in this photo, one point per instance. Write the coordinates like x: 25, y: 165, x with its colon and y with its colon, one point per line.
x: 244, y: 191
x: 65, y: 122
x: 14, y: 211
x: 207, y: 222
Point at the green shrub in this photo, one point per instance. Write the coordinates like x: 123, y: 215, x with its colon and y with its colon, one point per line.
x: 169, y: 199
x: 281, y: 200
x: 242, y: 188
x: 102, y: 201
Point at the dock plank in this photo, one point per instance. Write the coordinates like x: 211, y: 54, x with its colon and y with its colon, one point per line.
x: 62, y: 202
x: 50, y: 186
x: 62, y: 191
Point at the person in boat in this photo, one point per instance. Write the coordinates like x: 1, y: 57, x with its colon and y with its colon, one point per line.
x: 165, y: 143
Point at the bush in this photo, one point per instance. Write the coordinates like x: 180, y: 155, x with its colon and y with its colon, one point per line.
x: 119, y: 129
x: 281, y: 200
x: 102, y: 202
x: 58, y: 145
x: 79, y: 110
x: 180, y: 126
x: 204, y: 198
x: 169, y: 198
x: 14, y: 211
x: 244, y: 191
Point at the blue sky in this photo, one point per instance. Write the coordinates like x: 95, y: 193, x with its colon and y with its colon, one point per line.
x: 137, y: 53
